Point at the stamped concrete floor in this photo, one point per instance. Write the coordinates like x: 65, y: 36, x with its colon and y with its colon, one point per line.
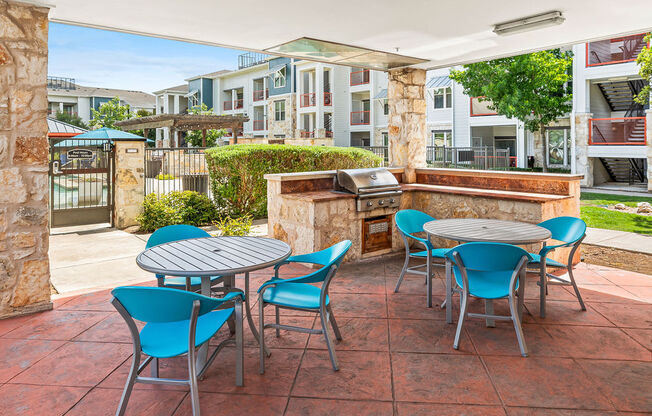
x: 396, y: 357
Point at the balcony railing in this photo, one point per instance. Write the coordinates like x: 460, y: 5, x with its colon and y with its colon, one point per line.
x: 308, y: 100
x: 261, y: 94
x: 307, y: 134
x: 228, y: 105
x: 382, y: 151
x: 614, y: 51
x: 61, y: 83
x: 260, y: 124
x: 359, y: 117
x: 250, y: 59
x: 328, y: 134
x: 360, y: 77
x: 617, y: 131
x: 238, y: 103
x: 478, y: 157
x: 328, y: 98
x: 481, y: 108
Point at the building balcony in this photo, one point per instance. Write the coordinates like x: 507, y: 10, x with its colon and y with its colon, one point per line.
x: 260, y: 95
x: 308, y: 100
x: 360, y: 77
x: 260, y: 125
x: 480, y: 107
x: 328, y: 134
x: 228, y: 105
x: 614, y: 51
x: 328, y: 98
x: 237, y: 104
x: 359, y: 117
x: 617, y: 131
x: 307, y: 134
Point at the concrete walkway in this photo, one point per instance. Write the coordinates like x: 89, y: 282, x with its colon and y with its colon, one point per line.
x: 619, y: 239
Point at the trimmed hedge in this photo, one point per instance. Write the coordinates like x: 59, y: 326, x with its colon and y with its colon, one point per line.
x: 187, y: 207
x: 237, y: 171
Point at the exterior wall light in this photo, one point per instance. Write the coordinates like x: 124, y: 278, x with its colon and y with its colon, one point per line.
x: 529, y: 23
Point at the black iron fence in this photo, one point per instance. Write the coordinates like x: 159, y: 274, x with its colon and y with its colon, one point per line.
x: 382, y: 151
x: 482, y: 157
x: 176, y: 169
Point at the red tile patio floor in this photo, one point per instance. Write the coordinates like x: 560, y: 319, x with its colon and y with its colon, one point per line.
x: 396, y: 356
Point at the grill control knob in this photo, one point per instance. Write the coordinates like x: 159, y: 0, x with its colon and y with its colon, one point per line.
x: 369, y: 203
x: 381, y: 202
x: 391, y: 201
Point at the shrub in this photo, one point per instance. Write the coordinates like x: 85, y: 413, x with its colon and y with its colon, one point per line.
x: 234, y: 226
x: 165, y: 177
x: 186, y: 207
x: 237, y: 171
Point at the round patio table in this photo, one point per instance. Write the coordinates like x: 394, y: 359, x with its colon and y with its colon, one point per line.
x: 215, y: 256
x: 484, y: 230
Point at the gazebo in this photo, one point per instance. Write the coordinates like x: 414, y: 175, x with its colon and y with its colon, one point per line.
x: 185, y: 122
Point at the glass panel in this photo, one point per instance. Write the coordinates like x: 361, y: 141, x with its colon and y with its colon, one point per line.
x: 439, y: 100
x: 556, y: 144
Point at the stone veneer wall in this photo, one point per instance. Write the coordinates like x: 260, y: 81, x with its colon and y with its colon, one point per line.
x: 24, y: 264
x: 129, y: 182
x: 648, y: 121
x: 407, y: 120
x: 287, y: 126
x: 583, y: 163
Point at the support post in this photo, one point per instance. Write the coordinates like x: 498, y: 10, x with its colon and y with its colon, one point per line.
x: 203, y: 138
x: 129, y: 181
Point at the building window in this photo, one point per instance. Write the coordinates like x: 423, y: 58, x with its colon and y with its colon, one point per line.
x: 279, y: 110
x: 558, y: 147
x: 442, y: 138
x: 385, y: 138
x: 386, y: 107
x: 279, y: 78
x: 442, y: 98
x: 279, y: 136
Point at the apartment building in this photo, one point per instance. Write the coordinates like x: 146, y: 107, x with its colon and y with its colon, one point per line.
x: 65, y: 95
x: 171, y: 100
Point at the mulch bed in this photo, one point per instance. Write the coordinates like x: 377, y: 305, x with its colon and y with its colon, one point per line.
x: 620, y: 259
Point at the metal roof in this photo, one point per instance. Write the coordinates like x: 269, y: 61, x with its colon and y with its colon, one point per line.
x: 382, y: 94
x: 439, y: 82
x: 56, y: 126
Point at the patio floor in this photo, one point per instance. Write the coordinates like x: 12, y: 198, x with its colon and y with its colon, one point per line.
x: 396, y: 356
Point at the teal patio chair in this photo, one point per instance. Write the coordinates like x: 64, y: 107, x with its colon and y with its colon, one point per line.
x: 176, y: 323
x: 570, y: 231
x: 490, y: 271
x: 179, y: 232
x: 297, y: 293
x: 409, y: 222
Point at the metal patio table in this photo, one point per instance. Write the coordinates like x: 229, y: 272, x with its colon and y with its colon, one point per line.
x: 466, y: 230
x: 215, y: 256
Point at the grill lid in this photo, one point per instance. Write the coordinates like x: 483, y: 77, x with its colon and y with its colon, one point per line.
x: 364, y: 181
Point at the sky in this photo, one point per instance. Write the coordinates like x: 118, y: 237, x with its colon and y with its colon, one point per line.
x: 101, y: 58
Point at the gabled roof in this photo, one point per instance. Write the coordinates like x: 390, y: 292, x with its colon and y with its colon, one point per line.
x: 138, y: 99
x: 210, y: 74
x: 56, y: 127
x: 179, y: 89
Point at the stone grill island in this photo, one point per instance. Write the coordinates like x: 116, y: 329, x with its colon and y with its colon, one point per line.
x: 305, y: 211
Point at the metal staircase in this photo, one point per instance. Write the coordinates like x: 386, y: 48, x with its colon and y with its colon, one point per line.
x: 632, y: 171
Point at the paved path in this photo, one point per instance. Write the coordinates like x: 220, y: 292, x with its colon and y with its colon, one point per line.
x: 619, y: 239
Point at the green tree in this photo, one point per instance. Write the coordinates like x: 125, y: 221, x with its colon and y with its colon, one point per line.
x: 194, y: 137
x: 533, y: 88
x: 644, y: 61
x: 151, y: 134
x: 109, y: 113
x: 73, y: 119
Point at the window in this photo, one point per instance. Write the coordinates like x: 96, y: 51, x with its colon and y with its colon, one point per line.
x: 558, y: 147
x: 442, y: 138
x: 279, y: 110
x: 279, y: 78
x: 279, y: 136
x: 386, y: 107
x: 442, y: 98
x: 385, y: 138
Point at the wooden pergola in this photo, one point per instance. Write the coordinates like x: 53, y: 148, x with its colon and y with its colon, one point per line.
x: 185, y: 122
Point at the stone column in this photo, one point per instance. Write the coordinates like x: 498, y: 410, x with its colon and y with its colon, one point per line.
x: 129, y: 182
x: 407, y: 120
x: 648, y: 139
x: 583, y: 164
x: 24, y: 228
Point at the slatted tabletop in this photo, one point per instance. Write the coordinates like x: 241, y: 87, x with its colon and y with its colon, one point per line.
x: 213, y: 256
x: 479, y: 229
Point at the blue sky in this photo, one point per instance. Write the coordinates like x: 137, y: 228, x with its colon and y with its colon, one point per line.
x: 101, y: 58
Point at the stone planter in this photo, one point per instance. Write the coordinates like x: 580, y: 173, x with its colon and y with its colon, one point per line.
x: 196, y: 182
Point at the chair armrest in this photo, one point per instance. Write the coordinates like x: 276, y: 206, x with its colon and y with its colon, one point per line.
x: 301, y: 279
x: 231, y: 296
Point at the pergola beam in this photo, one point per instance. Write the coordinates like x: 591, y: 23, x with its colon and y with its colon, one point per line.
x: 183, y: 122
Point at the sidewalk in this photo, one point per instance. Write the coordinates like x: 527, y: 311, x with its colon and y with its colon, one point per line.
x: 619, y: 239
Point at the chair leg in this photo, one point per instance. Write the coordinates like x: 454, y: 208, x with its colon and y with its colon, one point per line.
x: 154, y: 367
x: 192, y: 378
x: 129, y: 385
x: 329, y: 343
x: 239, y: 346
x: 261, y: 333
x: 402, y: 275
x: 429, y: 280
x: 517, y: 326
x: 336, y: 328
x: 577, y: 290
x: 460, y: 321
x: 278, y: 321
x: 543, y: 287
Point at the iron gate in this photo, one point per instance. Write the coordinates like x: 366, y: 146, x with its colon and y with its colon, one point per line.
x: 81, y: 181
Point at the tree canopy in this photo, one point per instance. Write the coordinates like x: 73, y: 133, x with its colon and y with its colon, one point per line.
x: 73, y: 119
x: 109, y: 113
x: 644, y: 60
x: 195, y: 138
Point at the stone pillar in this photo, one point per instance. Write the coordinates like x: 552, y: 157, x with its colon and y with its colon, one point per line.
x: 648, y: 140
x: 24, y: 228
x: 583, y: 163
x: 129, y: 182
x: 407, y: 120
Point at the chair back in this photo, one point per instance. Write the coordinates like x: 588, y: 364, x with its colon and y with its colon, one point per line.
x: 160, y: 304
x: 333, y: 255
x: 176, y: 232
x: 566, y: 229
x: 488, y: 257
x: 410, y: 221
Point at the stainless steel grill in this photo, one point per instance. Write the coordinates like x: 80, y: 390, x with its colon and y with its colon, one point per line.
x: 374, y: 187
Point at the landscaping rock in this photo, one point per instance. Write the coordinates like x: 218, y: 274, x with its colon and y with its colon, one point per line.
x: 620, y: 206
x: 644, y: 208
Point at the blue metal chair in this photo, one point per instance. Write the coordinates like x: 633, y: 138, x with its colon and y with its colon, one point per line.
x: 177, y: 323
x: 490, y: 271
x: 298, y: 293
x: 179, y: 232
x: 571, y: 232
x: 409, y: 222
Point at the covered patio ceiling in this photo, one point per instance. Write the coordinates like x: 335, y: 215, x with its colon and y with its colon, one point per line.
x: 442, y: 33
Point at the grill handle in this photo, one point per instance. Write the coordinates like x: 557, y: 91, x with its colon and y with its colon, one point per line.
x: 380, y: 194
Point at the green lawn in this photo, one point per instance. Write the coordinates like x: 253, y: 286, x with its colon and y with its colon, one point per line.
x: 598, y: 217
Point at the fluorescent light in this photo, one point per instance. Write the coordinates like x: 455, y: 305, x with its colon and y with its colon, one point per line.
x: 529, y: 23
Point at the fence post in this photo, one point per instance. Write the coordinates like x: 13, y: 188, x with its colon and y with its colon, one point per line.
x: 129, y: 181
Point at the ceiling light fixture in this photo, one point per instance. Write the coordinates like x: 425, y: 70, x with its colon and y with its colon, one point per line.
x: 529, y: 23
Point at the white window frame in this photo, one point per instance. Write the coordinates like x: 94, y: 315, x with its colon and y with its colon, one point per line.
x: 448, y: 137
x: 278, y: 112
x: 447, y: 94
x: 280, y: 78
